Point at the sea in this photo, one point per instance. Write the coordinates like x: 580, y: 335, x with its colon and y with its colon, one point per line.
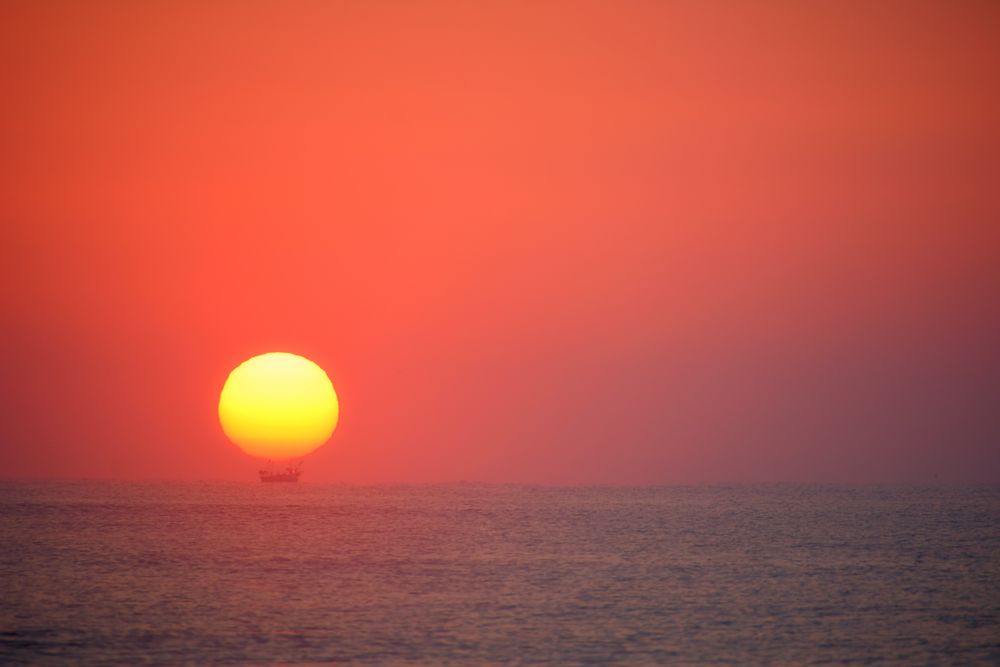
x: 113, y: 573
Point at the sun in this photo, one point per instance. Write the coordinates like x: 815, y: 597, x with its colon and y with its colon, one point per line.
x: 278, y: 406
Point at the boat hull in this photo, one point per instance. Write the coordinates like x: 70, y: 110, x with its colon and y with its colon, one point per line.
x: 279, y: 476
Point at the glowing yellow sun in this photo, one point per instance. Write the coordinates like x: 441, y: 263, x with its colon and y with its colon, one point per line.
x: 278, y: 406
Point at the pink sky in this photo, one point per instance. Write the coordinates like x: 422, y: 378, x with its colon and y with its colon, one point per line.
x: 530, y: 242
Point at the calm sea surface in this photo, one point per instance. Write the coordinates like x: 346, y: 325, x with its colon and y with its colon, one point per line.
x: 126, y: 573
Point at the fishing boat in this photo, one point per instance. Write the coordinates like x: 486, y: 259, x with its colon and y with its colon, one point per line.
x: 289, y: 474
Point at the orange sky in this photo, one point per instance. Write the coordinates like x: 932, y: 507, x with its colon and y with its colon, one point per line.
x: 557, y: 242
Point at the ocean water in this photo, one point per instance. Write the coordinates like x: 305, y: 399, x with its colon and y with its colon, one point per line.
x: 165, y: 573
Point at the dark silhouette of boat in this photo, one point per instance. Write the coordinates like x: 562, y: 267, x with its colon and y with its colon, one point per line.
x: 287, y: 475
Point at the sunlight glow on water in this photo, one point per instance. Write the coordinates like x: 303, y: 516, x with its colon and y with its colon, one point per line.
x: 167, y: 573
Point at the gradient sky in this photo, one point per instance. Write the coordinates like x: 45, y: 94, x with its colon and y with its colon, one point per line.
x: 544, y: 242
